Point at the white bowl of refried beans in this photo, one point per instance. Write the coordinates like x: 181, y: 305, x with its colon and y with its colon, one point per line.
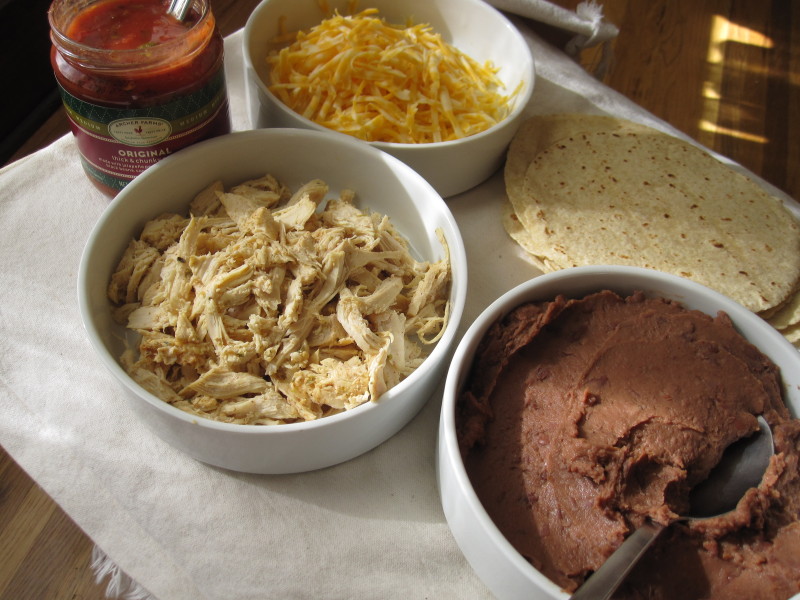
x: 585, y: 401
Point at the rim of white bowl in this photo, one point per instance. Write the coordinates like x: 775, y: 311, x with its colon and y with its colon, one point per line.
x: 456, y: 250
x: 520, y: 101
x: 464, y: 355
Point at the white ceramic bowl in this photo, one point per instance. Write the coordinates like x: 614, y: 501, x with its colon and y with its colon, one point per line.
x: 472, y: 26
x: 381, y: 182
x: 504, y: 571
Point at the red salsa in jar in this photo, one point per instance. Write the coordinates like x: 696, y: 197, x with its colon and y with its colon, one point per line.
x: 137, y: 84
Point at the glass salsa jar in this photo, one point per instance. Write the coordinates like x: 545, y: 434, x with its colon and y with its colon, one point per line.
x: 136, y: 83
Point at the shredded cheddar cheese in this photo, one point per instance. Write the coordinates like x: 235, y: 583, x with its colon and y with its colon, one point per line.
x: 380, y: 82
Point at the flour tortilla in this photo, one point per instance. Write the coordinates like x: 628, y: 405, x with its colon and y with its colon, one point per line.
x: 786, y: 316
x: 535, y: 135
x: 520, y: 235
x: 791, y: 333
x: 615, y: 192
x: 540, y: 132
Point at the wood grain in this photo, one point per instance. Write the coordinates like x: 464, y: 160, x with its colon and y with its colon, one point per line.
x: 726, y: 72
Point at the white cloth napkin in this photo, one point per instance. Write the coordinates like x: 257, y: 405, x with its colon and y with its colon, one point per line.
x: 586, y: 21
x: 370, y: 528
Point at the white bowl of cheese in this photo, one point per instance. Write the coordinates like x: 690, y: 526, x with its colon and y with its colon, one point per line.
x: 468, y: 28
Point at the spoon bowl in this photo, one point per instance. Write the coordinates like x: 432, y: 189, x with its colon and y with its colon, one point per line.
x: 742, y: 467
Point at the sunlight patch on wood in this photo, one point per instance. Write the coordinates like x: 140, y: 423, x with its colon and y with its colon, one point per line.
x: 724, y: 31
x: 712, y: 127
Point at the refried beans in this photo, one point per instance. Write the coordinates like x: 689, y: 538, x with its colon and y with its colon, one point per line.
x: 582, y: 418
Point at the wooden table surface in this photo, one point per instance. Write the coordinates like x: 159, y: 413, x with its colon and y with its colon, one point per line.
x: 726, y: 72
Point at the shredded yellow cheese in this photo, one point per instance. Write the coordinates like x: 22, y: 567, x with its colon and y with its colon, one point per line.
x: 380, y: 82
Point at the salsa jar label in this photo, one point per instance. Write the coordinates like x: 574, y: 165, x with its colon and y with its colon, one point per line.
x: 140, y: 132
x: 117, y: 144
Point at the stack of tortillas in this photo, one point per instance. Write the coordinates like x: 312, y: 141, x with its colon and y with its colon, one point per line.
x: 591, y: 190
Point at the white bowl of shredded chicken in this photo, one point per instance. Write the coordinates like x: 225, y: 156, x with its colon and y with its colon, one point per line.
x: 275, y: 301
x: 439, y: 84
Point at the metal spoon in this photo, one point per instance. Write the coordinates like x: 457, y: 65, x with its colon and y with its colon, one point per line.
x: 742, y: 466
x: 179, y: 8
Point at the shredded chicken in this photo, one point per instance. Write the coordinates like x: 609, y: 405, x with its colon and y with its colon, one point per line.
x: 265, y: 306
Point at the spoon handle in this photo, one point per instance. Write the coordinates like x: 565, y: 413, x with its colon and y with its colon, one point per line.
x: 179, y: 8
x: 603, y: 582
